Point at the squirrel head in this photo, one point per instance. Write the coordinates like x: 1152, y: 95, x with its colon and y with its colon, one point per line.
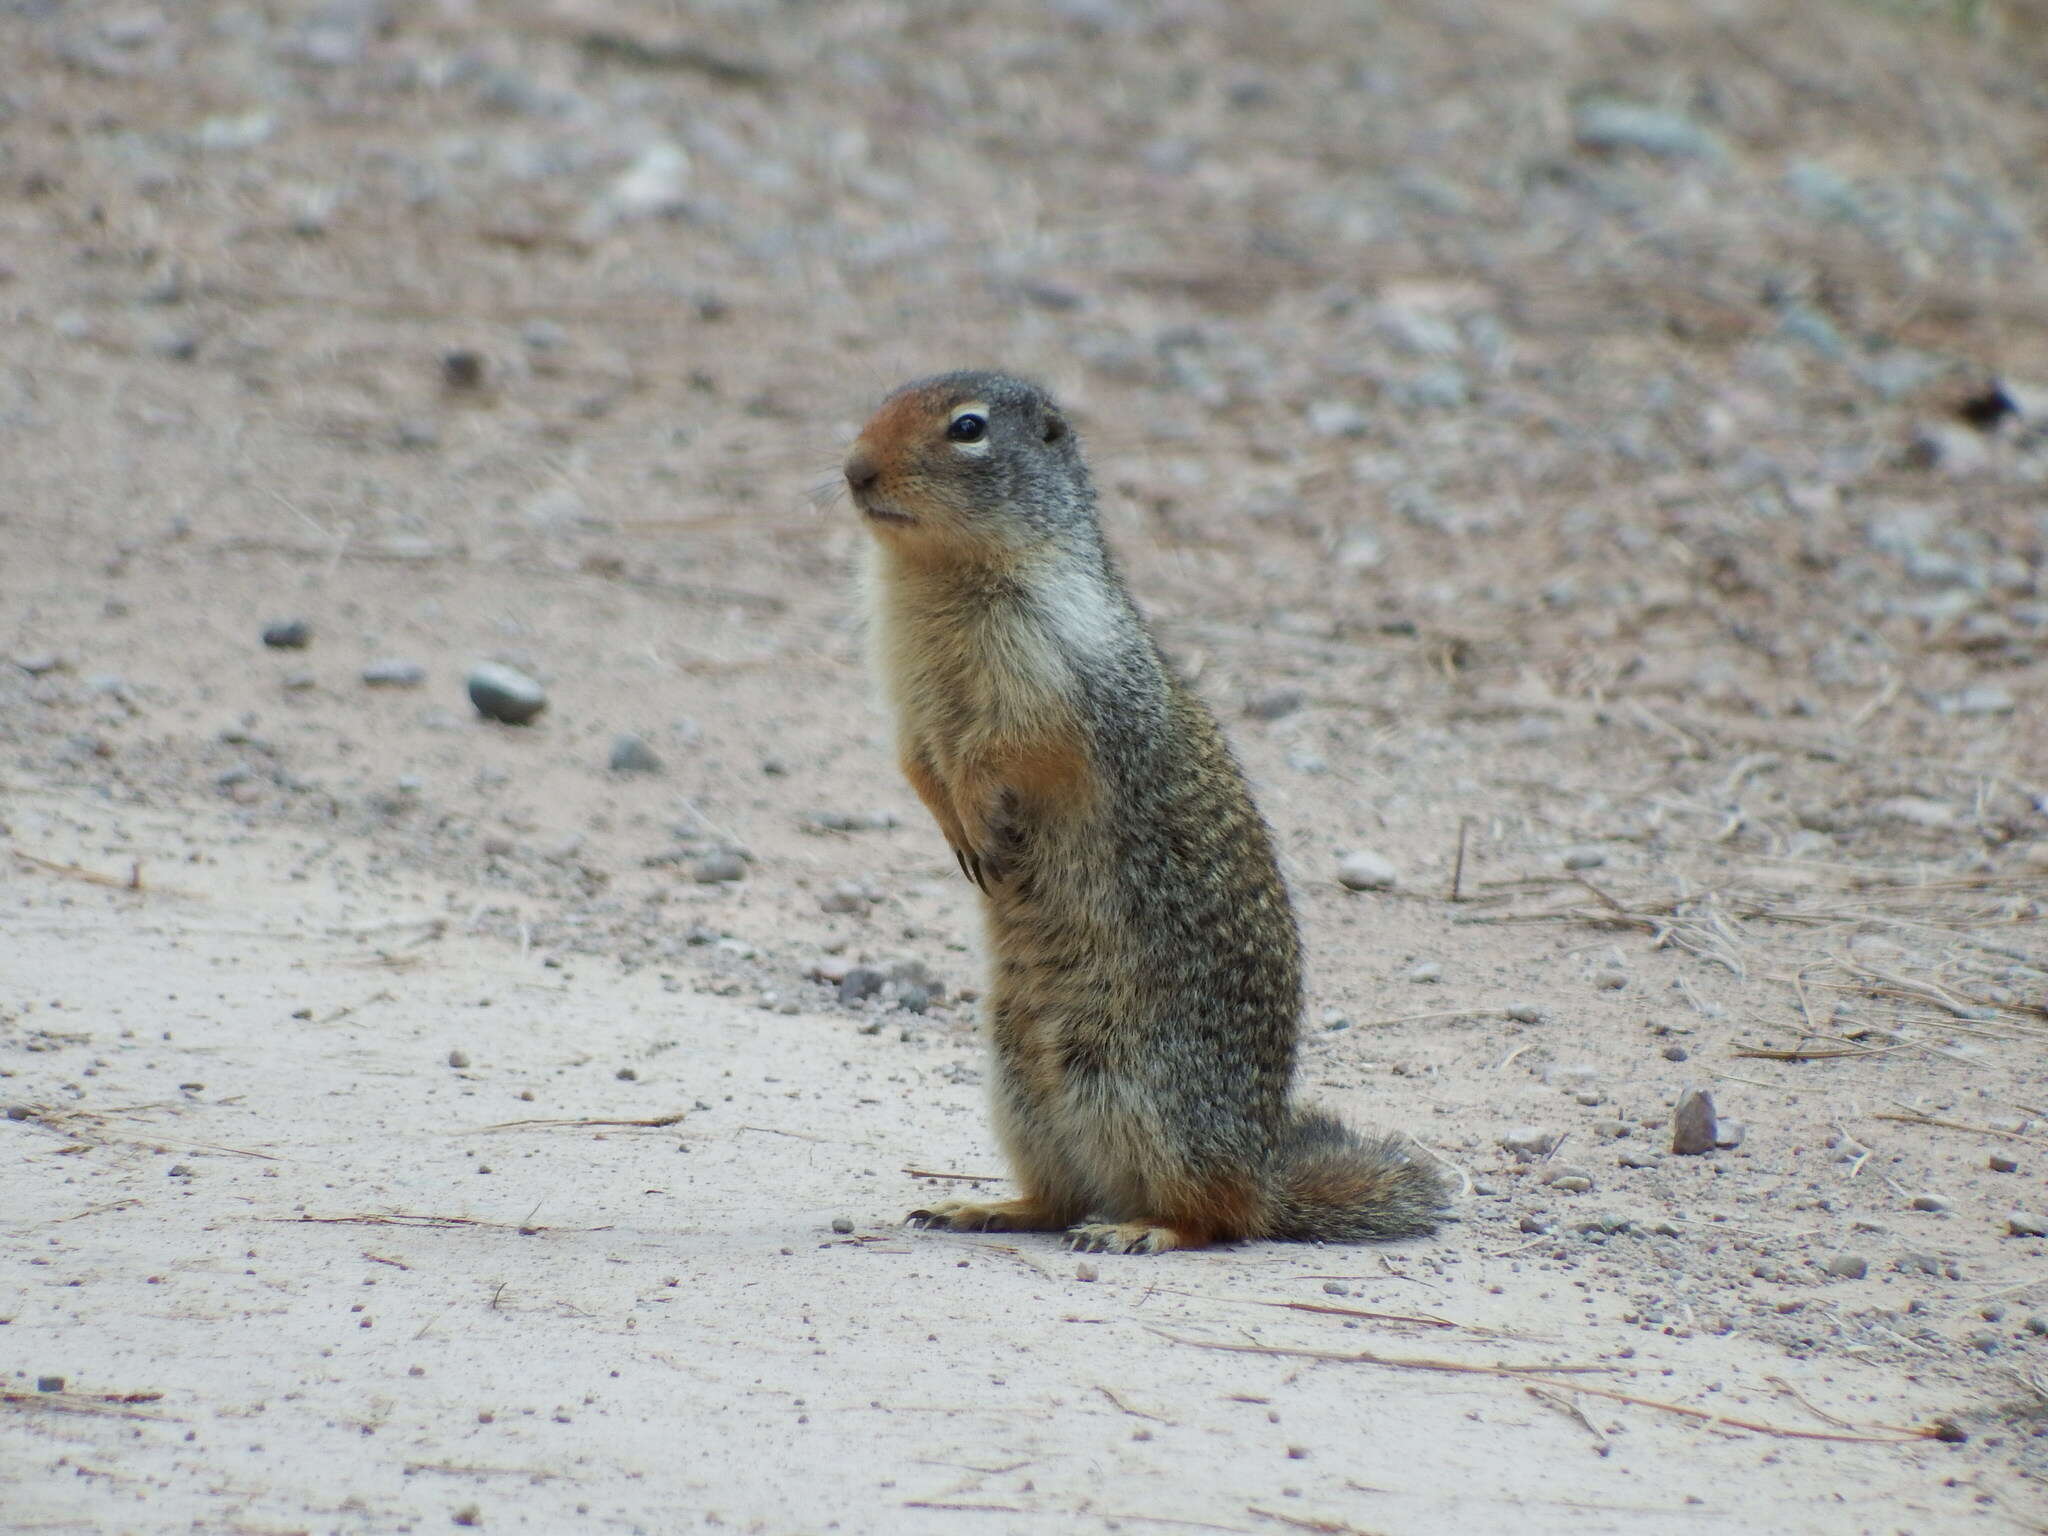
x: 971, y: 462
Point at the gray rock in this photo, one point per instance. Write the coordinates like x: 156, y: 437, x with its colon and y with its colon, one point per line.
x: 1676, y: 1053
x: 1528, y: 1142
x: 1928, y: 1203
x: 1572, y: 1183
x: 913, y: 999
x: 841, y: 1224
x: 844, y: 897
x: 1427, y: 972
x: 853, y: 821
x: 1611, y: 981
x: 1849, y: 1266
x: 36, y: 663
x: 630, y: 754
x: 1638, y: 1159
x: 1985, y: 699
x: 505, y: 694
x: 1607, y: 123
x: 1364, y: 871
x: 288, y: 635
x: 49, y: 1383
x: 1729, y: 1133
x: 2037, y: 1325
x: 2024, y: 1224
x: 458, y: 1059
x: 1337, y: 418
x: 394, y: 672
x: 859, y: 984
x: 1524, y: 1013
x: 718, y: 868
x: 1584, y: 858
x: 1692, y: 1123
x: 1998, y: 1162
x: 1277, y: 704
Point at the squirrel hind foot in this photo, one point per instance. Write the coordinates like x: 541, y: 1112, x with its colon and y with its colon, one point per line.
x: 996, y: 1216
x: 1132, y: 1237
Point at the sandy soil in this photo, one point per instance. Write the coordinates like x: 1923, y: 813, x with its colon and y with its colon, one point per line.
x: 1594, y: 459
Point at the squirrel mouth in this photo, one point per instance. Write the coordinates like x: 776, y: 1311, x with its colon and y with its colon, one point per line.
x: 881, y: 512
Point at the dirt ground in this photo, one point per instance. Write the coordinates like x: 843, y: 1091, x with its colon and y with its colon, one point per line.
x: 1594, y: 457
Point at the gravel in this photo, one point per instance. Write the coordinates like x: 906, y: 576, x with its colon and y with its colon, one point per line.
x: 505, y: 694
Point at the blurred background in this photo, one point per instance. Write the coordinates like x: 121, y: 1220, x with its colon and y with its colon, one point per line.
x: 1440, y: 362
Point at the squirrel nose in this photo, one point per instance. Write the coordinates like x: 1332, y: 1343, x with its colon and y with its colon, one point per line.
x: 861, y: 472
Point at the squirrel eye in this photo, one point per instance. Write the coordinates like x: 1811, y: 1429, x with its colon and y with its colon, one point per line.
x: 967, y: 428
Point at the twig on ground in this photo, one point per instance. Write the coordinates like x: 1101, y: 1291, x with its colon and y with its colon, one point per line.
x: 1458, y: 865
x: 132, y: 881
x: 1324, y: 1527
x: 1124, y: 1407
x: 1565, y: 1404
x: 964, y: 1178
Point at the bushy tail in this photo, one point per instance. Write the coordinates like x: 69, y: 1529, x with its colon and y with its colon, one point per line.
x: 1338, y: 1186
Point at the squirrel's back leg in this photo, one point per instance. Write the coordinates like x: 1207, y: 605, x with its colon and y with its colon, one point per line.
x: 1051, y: 1196
x: 1187, y: 1211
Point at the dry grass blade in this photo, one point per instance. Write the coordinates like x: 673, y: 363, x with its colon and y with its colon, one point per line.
x: 1526, y: 1373
x: 132, y: 881
x: 654, y: 1123
x: 111, y: 1406
x: 1959, y: 1125
x: 1301, y: 1523
x: 965, y: 1178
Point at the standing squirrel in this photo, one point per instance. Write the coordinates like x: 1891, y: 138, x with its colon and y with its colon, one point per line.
x: 1146, y: 987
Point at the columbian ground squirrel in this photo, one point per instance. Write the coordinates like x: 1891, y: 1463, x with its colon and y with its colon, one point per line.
x: 1146, y: 987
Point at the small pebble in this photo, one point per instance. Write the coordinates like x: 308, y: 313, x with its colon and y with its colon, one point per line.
x: 859, y: 984
x: 1998, y: 1162
x: 288, y: 635
x: 36, y: 663
x: 1528, y: 1142
x: 1524, y: 1013
x: 1634, y: 1158
x: 1928, y: 1203
x: 498, y: 846
x: 1692, y: 1123
x: 1428, y: 971
x: 394, y: 672
x: 458, y: 1059
x: 1584, y: 858
x: 845, y: 897
x: 1336, y: 1288
x: 627, y: 1075
x: 715, y: 868
x: 1676, y: 1053
x: 1277, y: 704
x: 1572, y: 1183
x: 1729, y: 1133
x: 842, y: 1224
x: 1532, y: 1223
x: 630, y: 754
x: 2023, y: 1224
x: 1849, y: 1266
x: 505, y: 694
x: 1610, y: 981
x: 462, y: 369
x: 2036, y: 1325
x: 1364, y: 871
x: 1086, y: 1271
x: 49, y: 1383
x: 1992, y: 1313
x: 178, y: 1171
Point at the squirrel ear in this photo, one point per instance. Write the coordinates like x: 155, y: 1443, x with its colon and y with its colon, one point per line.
x: 1055, y: 427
